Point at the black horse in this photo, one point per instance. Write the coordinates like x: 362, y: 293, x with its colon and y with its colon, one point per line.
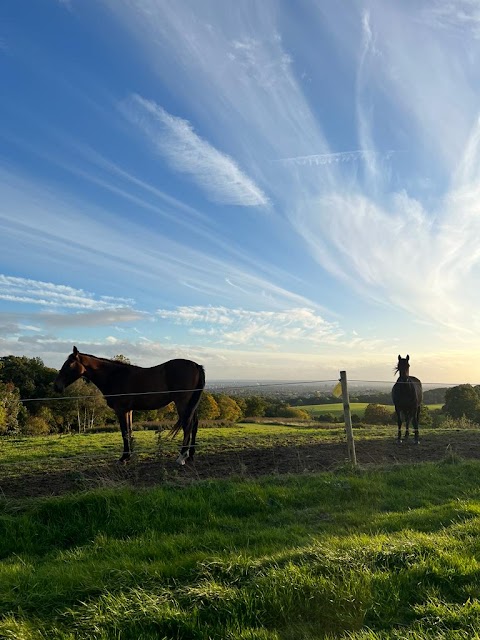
x: 407, y: 395
x: 127, y: 387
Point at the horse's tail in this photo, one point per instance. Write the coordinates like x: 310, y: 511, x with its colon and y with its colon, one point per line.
x: 193, y: 403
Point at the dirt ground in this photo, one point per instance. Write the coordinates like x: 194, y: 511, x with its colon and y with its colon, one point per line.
x: 247, y: 463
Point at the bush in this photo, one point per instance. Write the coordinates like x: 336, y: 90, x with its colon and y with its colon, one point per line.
x: 326, y: 417
x: 457, y: 423
x: 378, y: 414
x: 294, y: 412
x: 36, y: 426
x: 426, y: 419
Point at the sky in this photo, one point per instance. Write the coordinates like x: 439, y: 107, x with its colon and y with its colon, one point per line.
x: 277, y: 190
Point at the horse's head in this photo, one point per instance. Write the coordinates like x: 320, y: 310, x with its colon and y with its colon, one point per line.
x: 71, y: 370
x: 403, y: 366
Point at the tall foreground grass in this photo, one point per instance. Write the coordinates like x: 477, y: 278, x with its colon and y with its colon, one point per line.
x: 368, y: 555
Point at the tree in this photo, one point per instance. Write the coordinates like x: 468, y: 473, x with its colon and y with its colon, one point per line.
x: 121, y: 358
x: 462, y: 401
x: 275, y: 408
x: 377, y: 414
x: 168, y: 413
x: 83, y: 407
x: 208, y: 408
x: 10, y: 408
x: 229, y: 409
x: 254, y: 406
x: 31, y: 377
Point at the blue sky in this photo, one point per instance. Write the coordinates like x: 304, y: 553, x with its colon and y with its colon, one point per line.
x: 276, y: 190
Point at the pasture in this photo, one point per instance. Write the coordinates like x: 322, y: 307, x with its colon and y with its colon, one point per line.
x: 270, y: 536
x: 358, y: 408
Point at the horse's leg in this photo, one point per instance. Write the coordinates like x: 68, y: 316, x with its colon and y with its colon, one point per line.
x: 416, y: 420
x: 408, y: 417
x: 185, y: 450
x: 399, y: 423
x: 186, y: 425
x: 193, y: 438
x: 125, y: 419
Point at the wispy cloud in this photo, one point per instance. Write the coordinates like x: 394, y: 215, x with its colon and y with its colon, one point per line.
x: 365, y: 111
x: 336, y: 158
x: 387, y: 244
x: 459, y: 15
x: 124, y: 252
x: 239, y: 64
x: 275, y: 329
x: 47, y: 294
x: 213, y: 171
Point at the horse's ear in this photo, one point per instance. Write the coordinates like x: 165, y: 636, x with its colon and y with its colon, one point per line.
x: 75, y: 351
x: 408, y: 357
x: 399, y: 358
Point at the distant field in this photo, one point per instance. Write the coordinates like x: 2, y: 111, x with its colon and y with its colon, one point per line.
x: 358, y: 408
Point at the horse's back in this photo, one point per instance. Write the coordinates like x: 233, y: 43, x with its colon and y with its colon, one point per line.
x: 180, y: 373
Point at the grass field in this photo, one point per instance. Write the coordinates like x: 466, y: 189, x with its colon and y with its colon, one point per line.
x: 357, y: 408
x: 366, y: 555
x: 29, y: 455
x: 381, y: 553
x: 26, y: 455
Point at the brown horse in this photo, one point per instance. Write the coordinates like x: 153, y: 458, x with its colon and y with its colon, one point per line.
x: 127, y: 387
x: 407, y: 395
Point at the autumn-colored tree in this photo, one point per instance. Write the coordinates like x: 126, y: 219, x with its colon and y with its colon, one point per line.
x: 229, y: 409
x: 208, y: 408
x: 10, y: 408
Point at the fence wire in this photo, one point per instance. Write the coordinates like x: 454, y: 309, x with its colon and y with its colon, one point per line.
x: 235, y: 388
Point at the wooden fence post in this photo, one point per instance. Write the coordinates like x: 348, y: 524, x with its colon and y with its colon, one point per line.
x: 348, y: 419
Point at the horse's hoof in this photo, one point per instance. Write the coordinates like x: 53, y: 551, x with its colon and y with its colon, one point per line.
x: 182, y: 458
x: 123, y: 461
x: 416, y: 442
x: 399, y: 441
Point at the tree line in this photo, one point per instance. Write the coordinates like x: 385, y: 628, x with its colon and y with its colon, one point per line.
x: 29, y: 404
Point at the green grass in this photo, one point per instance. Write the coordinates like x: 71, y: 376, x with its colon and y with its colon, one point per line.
x: 336, y: 408
x: 391, y: 553
x: 21, y: 456
x: 28, y: 455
